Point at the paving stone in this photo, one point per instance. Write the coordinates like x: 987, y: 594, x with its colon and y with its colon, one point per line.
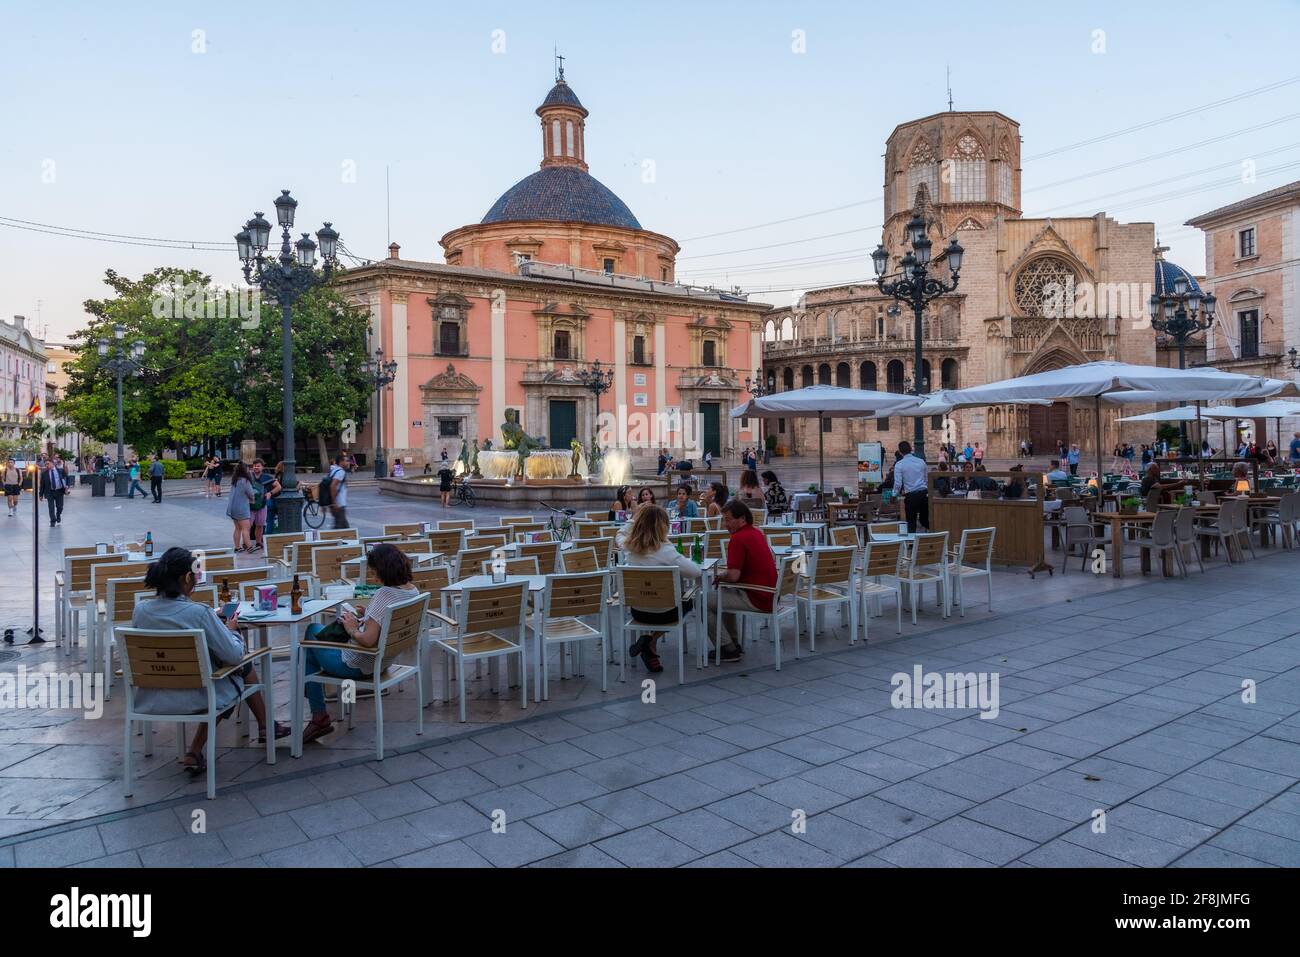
x: 923, y: 799
x: 122, y: 859
x: 841, y: 838
x: 721, y: 859
x: 920, y: 851
x: 704, y: 830
x: 681, y: 792
x: 454, y: 784
x: 979, y: 840
x: 560, y: 756
x: 729, y: 777
x: 332, y: 817
x: 843, y: 780
x: 345, y: 781
x: 1200, y: 810
x: 262, y: 835
x: 517, y: 802
x: 616, y: 773
x: 60, y: 850
x: 449, y: 822
x: 1126, y: 845
x: 882, y: 816
x: 1061, y: 853
x: 510, y: 769
x: 1262, y: 846
x: 322, y: 852
x: 452, y: 854
x: 575, y: 825
x: 801, y: 794
x: 383, y: 840
x: 579, y: 857
x: 1209, y: 856
x: 396, y: 800
x: 192, y: 850
x: 753, y: 812
x: 520, y: 844
x: 284, y: 795
x: 404, y: 767
x: 772, y: 763
x: 647, y: 847
x: 139, y: 830
x: 630, y: 809
x: 783, y: 850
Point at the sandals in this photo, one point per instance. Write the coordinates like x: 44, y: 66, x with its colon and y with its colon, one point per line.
x: 317, y: 729
x: 651, y: 662
x: 282, y: 730
x: 198, y: 766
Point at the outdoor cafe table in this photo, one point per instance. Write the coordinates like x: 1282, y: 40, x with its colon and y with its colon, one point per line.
x: 249, y: 617
x: 1116, y: 519
x: 814, y: 530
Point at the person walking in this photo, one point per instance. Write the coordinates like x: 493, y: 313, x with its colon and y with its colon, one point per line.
x: 1073, y: 458
x: 135, y: 482
x: 216, y: 476
x: 53, y: 486
x: 264, y: 487
x: 338, y: 476
x: 910, y: 483
x: 156, y: 479
x: 240, y: 507
x: 13, y: 483
x: 979, y: 456
x: 1024, y: 449
x: 207, y: 478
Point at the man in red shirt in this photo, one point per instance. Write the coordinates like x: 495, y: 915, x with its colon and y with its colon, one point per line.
x: 749, y: 562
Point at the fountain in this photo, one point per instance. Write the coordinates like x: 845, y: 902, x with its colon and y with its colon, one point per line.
x: 616, y: 467
x: 549, y: 464
x: 497, y: 465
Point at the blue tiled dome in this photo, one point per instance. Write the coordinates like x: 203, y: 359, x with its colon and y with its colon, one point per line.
x: 562, y: 95
x: 1167, y: 274
x: 562, y: 194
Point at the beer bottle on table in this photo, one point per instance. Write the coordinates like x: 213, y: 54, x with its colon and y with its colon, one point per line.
x: 148, y: 544
x: 295, y: 597
x: 224, y: 596
x: 697, y: 553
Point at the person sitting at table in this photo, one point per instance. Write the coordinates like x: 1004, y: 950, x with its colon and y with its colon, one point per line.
x: 774, y: 495
x: 172, y: 578
x: 749, y: 562
x: 1240, y: 473
x: 683, y: 506
x: 393, y: 569
x: 1151, y: 480
x: 1058, y: 475
x: 713, y: 498
x: 941, y: 484
x: 1015, y: 487
x: 982, y: 483
x: 751, y: 493
x: 645, y: 496
x: 647, y: 544
x: 623, y: 502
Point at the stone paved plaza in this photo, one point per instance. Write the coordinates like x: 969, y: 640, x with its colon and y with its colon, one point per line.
x: 1123, y: 697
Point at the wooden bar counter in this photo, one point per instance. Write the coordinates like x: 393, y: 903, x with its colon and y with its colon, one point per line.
x: 1019, y: 521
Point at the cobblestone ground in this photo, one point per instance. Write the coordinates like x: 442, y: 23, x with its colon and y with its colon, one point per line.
x: 1122, y: 737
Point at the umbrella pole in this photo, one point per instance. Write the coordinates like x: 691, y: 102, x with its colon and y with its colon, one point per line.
x: 1200, y: 462
x: 1097, y: 421
x: 821, y: 457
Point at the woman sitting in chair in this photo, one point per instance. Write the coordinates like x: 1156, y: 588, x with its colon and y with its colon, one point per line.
x: 647, y: 544
x: 393, y: 569
x: 172, y: 576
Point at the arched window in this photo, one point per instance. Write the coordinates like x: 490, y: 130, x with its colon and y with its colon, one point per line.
x: 555, y: 137
x: 843, y: 376
x: 769, y: 331
x: 1004, y: 171
x: 867, y: 376
x: 638, y: 350
x: 949, y: 372
x: 806, y: 374
x: 925, y: 375
x: 880, y: 322
x: 894, y: 376
x: 562, y: 348
x: 787, y: 379
x: 710, y: 352
x: 922, y: 167
x: 568, y: 128
x: 830, y: 327
x: 967, y: 173
x: 787, y: 329
x: 824, y: 374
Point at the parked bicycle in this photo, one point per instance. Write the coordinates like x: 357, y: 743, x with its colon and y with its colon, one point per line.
x: 313, y: 516
x: 560, y: 522
x: 462, y: 493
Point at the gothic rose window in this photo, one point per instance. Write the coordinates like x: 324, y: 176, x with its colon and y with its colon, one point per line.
x: 1042, y: 282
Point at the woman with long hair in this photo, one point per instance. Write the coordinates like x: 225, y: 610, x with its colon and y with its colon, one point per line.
x: 623, y: 502
x: 240, y: 508
x: 751, y: 493
x: 645, y: 496
x: 714, y: 497
x: 172, y: 578
x: 647, y: 544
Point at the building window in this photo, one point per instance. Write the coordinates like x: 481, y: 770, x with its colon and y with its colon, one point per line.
x: 880, y: 323
x: 1042, y: 284
x: 1249, y: 324
x: 923, y: 167
x: 823, y: 374
x: 608, y: 266
x: 449, y: 338
x: 561, y: 345
x: 525, y: 257
x: 967, y: 171
x: 936, y: 422
x: 826, y: 425
x: 948, y: 372
x: 569, y: 137
x: 638, y: 350
x: 555, y: 137
x: 806, y: 376
x: 1246, y: 242
x: 882, y: 425
x: 710, y: 353
x: 787, y: 379
x: 894, y: 377
x: 449, y: 428
x: 663, y: 273
x: 780, y: 426
x: 842, y: 376
x: 867, y: 376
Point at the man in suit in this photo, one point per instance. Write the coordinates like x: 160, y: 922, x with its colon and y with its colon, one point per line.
x: 54, y: 485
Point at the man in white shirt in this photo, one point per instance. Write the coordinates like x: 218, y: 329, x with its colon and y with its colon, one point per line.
x: 339, y: 491
x: 910, y: 482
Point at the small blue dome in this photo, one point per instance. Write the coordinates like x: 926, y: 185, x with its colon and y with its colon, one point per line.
x: 563, y: 194
x: 1167, y: 274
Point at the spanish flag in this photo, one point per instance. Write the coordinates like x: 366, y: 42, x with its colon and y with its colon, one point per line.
x: 35, y: 407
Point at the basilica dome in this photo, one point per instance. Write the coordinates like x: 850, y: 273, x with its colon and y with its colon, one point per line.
x: 1167, y: 274
x: 566, y: 194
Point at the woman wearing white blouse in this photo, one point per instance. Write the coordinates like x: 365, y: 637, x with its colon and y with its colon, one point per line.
x: 646, y: 543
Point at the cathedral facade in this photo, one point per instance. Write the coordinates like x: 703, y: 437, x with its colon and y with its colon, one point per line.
x: 1033, y: 295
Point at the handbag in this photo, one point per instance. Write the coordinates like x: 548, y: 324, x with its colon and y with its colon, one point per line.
x: 334, y: 632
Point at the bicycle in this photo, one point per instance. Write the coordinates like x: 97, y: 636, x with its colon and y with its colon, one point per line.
x: 313, y: 516
x: 562, y: 528
x: 462, y: 493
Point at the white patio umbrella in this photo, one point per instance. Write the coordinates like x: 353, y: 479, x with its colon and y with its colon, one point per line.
x: 1097, y: 379
x: 827, y: 402
x: 1275, y: 409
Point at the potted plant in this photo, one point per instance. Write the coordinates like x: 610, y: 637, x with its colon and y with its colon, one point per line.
x: 1130, y: 505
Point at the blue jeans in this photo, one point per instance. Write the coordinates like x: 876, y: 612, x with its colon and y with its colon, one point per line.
x: 135, y: 486
x: 327, y: 661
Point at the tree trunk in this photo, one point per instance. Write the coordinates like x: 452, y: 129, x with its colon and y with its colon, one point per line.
x: 324, y: 453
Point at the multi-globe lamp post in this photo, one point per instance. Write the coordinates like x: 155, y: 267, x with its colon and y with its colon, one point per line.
x: 757, y: 387
x: 286, y: 278
x: 121, y: 360
x: 915, y: 286
x: 1182, y: 314
x: 380, y: 373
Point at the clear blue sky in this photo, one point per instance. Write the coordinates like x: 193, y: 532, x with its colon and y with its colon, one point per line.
x: 150, y: 139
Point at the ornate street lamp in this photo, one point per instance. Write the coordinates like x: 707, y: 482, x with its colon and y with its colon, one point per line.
x: 915, y: 286
x: 1293, y: 358
x: 121, y: 360
x: 380, y: 374
x: 1181, y: 314
x: 286, y: 278
x: 597, y: 380
x: 757, y: 387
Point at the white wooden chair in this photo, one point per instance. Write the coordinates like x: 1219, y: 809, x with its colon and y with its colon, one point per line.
x: 179, y: 660
x: 400, y: 631
x: 489, y: 624
x: 972, y: 559
x: 75, y: 588
x: 655, y: 588
x: 567, y: 600
x: 830, y: 579
x: 927, y: 561
x: 577, y: 560
x: 787, y: 587
x: 882, y: 564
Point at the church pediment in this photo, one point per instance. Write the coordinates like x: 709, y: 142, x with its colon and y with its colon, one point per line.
x: 451, y: 381
x: 1049, y: 242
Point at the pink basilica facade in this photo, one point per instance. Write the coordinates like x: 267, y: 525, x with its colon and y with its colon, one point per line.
x: 558, y: 275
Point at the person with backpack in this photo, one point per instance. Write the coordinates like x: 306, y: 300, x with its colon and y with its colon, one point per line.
x: 338, y: 490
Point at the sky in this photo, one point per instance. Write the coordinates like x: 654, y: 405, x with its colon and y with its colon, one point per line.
x: 751, y: 132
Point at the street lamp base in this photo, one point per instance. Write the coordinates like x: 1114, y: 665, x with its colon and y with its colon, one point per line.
x: 381, y: 468
x: 121, y: 483
x: 288, y: 511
